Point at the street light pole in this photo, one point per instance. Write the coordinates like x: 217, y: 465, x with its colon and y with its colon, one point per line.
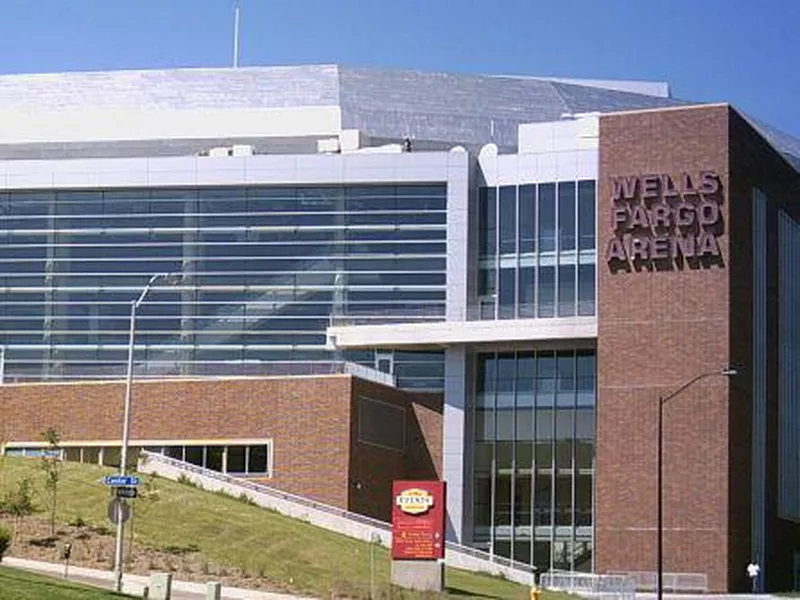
x: 662, y: 400
x: 126, y: 425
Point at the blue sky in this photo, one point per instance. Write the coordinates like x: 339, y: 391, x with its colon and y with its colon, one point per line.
x: 741, y: 51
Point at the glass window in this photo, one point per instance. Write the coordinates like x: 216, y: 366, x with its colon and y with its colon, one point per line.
x: 542, y: 498
x: 547, y: 217
x: 525, y: 295
x: 566, y: 215
x: 586, y: 215
x: 566, y: 290
x: 487, y: 221
x: 586, y: 290
x: 507, y: 293
x: 257, y: 459
x: 194, y: 455
x: 547, y: 291
x: 527, y: 219
x: 236, y: 459
x: 214, y: 457
x: 508, y: 219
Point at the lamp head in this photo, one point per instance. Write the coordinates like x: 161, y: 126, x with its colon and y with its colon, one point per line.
x: 729, y: 372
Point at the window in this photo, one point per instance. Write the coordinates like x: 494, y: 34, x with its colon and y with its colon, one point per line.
x: 536, y: 251
x: 566, y: 215
x: 238, y: 459
x: 547, y: 217
x: 255, y: 258
x: 533, y: 454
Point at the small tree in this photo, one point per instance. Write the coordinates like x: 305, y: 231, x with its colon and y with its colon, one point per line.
x: 19, y: 502
x: 5, y: 541
x: 51, y: 466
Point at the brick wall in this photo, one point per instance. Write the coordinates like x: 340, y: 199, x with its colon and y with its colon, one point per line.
x: 307, y: 418
x: 311, y: 420
x: 373, y: 468
x: 656, y: 329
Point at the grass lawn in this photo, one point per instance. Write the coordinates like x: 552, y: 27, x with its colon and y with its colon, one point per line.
x: 291, y: 554
x: 21, y: 585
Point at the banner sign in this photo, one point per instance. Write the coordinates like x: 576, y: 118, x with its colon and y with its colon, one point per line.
x: 418, y: 520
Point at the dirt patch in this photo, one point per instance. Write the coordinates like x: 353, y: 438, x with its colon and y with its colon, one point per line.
x: 93, y: 547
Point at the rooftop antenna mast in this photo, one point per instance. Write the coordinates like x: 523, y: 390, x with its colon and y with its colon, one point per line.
x: 236, y: 36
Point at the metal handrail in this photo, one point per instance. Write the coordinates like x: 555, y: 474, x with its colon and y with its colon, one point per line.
x: 382, y: 526
x: 267, y: 490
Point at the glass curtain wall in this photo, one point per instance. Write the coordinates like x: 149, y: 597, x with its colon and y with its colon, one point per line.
x: 537, y: 250
x: 264, y: 271
x: 534, y: 440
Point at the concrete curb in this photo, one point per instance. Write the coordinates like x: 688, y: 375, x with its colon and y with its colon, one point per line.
x: 135, y: 584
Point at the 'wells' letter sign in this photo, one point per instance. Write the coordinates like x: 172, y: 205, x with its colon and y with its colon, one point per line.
x: 418, y: 512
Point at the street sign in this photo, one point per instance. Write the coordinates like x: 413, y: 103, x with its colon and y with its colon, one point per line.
x: 121, y: 480
x: 114, y: 510
x: 125, y: 492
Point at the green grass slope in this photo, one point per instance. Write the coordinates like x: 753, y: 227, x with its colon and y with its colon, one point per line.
x: 20, y: 585
x: 292, y: 555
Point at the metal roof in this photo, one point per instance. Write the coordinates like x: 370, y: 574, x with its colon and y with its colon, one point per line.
x: 432, y: 107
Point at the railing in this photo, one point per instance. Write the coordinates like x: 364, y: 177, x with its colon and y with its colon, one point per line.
x: 199, y: 370
x: 647, y: 581
x: 370, y: 374
x: 326, y: 516
x: 590, y: 584
x: 148, y: 458
x: 388, y: 315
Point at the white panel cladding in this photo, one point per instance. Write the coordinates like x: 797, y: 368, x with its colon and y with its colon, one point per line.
x: 190, y: 171
x: 519, y: 169
x: 441, y: 333
x: 458, y: 192
x: 109, y: 124
x: 454, y: 448
x: 580, y: 133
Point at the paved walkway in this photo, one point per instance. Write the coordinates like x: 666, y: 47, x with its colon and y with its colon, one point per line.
x: 135, y: 584
x: 715, y: 596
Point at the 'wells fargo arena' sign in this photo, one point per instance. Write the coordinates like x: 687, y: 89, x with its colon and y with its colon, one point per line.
x: 664, y: 217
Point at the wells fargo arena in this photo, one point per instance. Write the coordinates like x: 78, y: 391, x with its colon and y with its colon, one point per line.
x: 347, y: 276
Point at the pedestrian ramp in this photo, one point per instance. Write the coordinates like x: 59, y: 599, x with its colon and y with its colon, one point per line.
x: 325, y: 516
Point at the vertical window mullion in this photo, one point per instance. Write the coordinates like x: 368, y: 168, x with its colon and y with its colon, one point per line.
x: 537, y: 250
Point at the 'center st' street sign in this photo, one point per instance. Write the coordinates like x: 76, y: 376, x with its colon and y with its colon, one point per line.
x: 121, y: 480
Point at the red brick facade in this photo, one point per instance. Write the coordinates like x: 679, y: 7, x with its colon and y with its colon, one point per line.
x: 659, y: 328
x: 311, y: 421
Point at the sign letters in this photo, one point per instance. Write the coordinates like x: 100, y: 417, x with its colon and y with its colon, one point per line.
x: 665, y: 218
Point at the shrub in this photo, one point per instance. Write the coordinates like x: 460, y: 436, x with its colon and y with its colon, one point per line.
x: 5, y: 541
x: 77, y: 521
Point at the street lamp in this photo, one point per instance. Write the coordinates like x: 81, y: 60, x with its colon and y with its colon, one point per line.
x: 126, y: 418
x: 662, y: 400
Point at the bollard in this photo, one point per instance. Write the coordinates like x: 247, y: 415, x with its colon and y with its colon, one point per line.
x: 536, y: 593
x: 160, y: 586
x: 213, y: 590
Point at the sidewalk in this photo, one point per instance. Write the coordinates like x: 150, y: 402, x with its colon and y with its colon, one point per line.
x: 135, y: 584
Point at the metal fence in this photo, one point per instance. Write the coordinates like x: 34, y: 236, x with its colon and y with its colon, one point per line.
x: 646, y: 581
x: 590, y: 585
